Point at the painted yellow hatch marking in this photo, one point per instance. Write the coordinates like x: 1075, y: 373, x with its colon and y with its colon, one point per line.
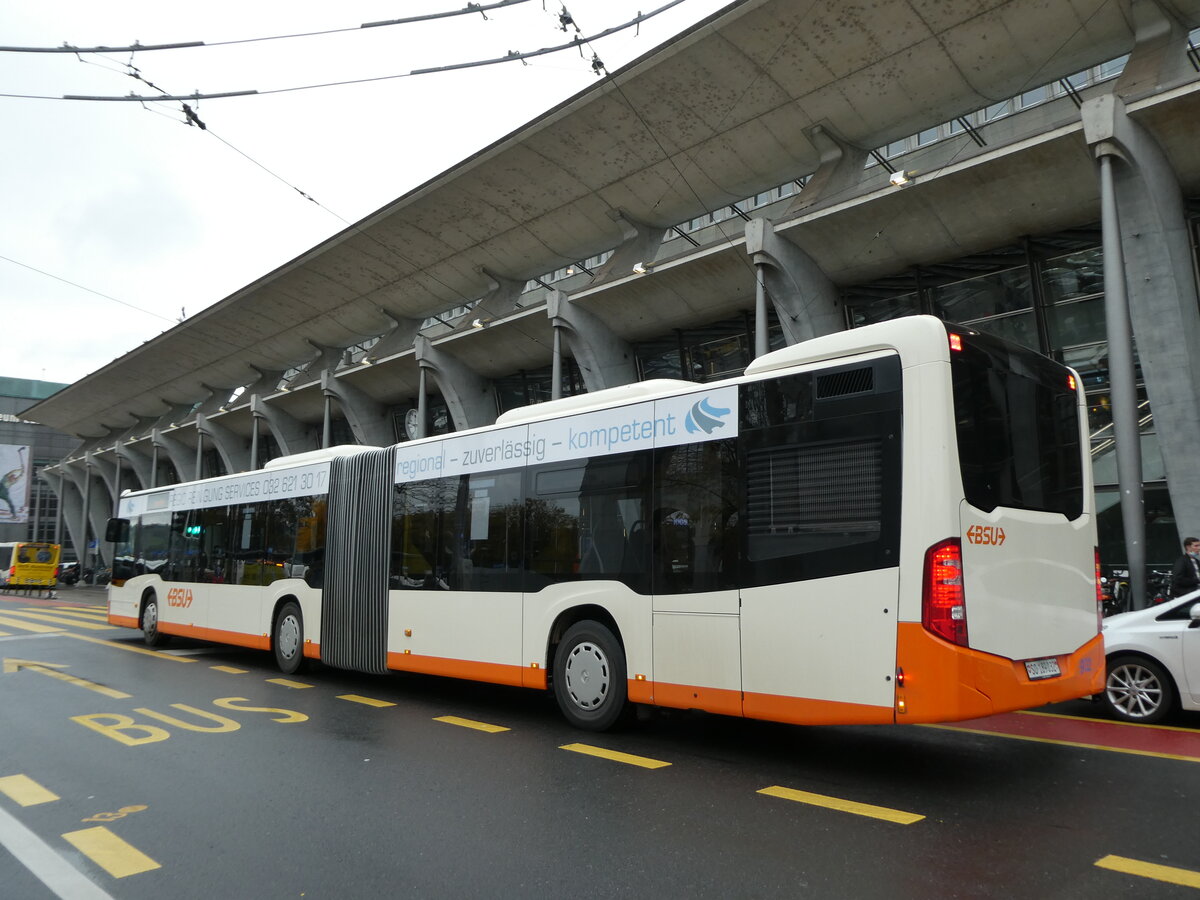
x: 615, y: 755
x: 289, y: 684
x: 859, y: 809
x: 28, y: 626
x: 60, y: 620
x: 230, y: 670
x: 130, y: 648
x: 115, y: 856
x: 365, y: 701
x: 471, y: 723
x: 24, y: 790
x: 1170, y: 874
x: 15, y: 665
x: 69, y: 611
x: 5, y: 634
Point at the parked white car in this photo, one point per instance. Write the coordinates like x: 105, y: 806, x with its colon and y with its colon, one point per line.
x: 1153, y: 660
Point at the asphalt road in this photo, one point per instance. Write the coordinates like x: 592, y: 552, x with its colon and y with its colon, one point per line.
x: 215, y: 777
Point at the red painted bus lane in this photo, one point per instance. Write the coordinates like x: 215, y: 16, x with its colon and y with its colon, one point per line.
x: 1120, y: 737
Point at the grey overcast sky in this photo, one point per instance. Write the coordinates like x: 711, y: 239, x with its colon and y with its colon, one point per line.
x: 124, y: 199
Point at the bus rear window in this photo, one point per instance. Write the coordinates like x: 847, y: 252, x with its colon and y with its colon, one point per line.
x: 1018, y: 428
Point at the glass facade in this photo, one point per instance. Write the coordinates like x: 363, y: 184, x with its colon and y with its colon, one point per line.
x: 1048, y: 295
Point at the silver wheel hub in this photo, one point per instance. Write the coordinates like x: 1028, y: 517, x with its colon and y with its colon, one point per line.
x: 587, y: 675
x: 289, y: 636
x: 1134, y: 690
x: 150, y: 619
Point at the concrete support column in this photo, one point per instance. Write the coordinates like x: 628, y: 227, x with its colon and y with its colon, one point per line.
x: 1155, y: 259
x: 640, y: 243
x: 604, y: 359
x: 556, y: 364
x: 367, y: 417
x: 422, y: 402
x: 229, y: 444
x: 183, y: 458
x: 469, y: 397
x: 292, y: 435
x: 142, y: 466
x: 840, y: 170
x: 804, y: 298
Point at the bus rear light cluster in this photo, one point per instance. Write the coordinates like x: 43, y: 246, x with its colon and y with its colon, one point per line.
x: 943, y: 602
x: 1099, y: 594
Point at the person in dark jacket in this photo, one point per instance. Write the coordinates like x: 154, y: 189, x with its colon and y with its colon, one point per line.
x: 1185, y: 577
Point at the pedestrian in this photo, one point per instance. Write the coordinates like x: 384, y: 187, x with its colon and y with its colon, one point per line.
x: 1185, y: 577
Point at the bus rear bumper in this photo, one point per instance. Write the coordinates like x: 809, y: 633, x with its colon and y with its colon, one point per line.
x: 945, y: 683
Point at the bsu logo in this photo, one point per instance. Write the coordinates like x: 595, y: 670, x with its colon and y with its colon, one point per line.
x: 179, y: 597
x: 703, y: 416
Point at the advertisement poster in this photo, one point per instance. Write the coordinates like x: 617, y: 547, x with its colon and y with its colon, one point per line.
x: 16, y: 476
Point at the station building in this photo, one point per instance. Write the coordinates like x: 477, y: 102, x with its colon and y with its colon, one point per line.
x: 1007, y: 164
x: 29, y: 509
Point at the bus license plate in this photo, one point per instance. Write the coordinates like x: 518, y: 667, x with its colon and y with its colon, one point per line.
x: 1042, y: 668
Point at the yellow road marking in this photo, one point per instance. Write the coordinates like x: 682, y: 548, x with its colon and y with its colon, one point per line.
x: 129, y: 647
x: 615, y: 755
x: 289, y: 684
x: 365, y: 701
x: 24, y: 790
x: 230, y: 670
x: 5, y: 634
x: 1170, y: 874
x: 115, y: 856
x: 71, y: 611
x: 471, y: 723
x: 28, y: 626
x: 15, y: 665
x: 59, y: 620
x: 859, y: 809
x: 1041, y: 740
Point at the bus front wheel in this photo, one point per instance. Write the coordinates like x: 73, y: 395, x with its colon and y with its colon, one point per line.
x: 150, y: 632
x: 288, y: 642
x: 589, y: 676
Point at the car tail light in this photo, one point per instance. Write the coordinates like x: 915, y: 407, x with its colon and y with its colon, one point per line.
x: 1099, y: 595
x: 943, y: 602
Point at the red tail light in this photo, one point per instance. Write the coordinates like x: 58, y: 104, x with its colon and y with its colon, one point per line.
x: 943, y: 603
x: 1099, y: 595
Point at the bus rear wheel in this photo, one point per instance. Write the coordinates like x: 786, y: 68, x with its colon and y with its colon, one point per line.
x: 288, y: 639
x: 589, y: 676
x: 150, y: 633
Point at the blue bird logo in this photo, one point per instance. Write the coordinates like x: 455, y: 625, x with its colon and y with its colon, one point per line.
x: 705, y: 417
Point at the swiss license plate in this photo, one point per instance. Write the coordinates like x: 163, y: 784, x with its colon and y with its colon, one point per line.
x: 1042, y: 668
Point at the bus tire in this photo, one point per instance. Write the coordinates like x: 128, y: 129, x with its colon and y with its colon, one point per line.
x: 150, y: 633
x: 288, y: 639
x: 589, y: 676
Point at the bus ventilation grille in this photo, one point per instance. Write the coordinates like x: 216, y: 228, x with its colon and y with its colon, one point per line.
x: 851, y: 381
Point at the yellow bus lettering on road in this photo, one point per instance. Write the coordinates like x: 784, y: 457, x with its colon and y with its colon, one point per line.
x: 285, y: 715
x: 122, y: 728
x: 223, y: 724
x: 128, y: 731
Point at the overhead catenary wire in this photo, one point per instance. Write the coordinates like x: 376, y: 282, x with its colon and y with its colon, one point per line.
x: 511, y: 56
x: 137, y: 47
x: 81, y: 287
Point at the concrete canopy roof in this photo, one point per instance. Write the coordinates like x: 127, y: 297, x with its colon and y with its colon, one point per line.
x: 718, y: 114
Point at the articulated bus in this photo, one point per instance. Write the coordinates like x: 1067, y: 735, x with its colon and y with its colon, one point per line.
x: 28, y: 566
x: 889, y: 524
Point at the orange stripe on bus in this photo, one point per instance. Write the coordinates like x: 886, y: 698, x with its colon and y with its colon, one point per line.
x: 946, y: 683
x: 682, y: 696
x: 312, y: 650
x: 808, y: 711
x: 497, y: 673
x: 236, y: 638
x: 126, y: 621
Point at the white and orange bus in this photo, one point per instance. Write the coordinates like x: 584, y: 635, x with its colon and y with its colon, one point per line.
x: 889, y: 524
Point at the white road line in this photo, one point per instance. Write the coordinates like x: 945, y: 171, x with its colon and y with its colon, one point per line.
x: 40, y: 858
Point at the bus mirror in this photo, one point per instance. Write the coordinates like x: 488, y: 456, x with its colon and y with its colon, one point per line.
x: 117, y: 531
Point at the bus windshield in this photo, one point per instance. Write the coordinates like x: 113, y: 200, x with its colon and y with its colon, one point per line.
x: 1018, y: 428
